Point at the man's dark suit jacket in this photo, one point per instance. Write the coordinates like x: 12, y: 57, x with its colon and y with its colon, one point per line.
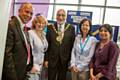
x: 56, y: 51
x: 15, y: 58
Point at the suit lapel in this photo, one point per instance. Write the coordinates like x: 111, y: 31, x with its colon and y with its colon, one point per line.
x: 65, y: 25
x: 56, y: 27
x: 19, y: 29
x: 65, y: 32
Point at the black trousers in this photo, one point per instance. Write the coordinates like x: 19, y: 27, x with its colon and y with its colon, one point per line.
x: 58, y: 72
x: 103, y: 78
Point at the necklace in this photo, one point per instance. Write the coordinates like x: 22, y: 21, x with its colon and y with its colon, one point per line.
x: 40, y: 35
x: 60, y: 34
x: 82, y: 46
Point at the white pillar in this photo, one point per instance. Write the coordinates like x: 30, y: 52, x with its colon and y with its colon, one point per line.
x: 4, y: 18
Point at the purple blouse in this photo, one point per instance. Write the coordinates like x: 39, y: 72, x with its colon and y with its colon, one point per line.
x: 105, y: 59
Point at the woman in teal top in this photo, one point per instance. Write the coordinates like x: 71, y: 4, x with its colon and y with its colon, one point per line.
x: 82, y: 52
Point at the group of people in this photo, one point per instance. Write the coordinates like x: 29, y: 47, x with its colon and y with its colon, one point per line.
x: 27, y: 52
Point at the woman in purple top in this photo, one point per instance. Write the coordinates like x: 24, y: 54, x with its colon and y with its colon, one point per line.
x: 103, y: 63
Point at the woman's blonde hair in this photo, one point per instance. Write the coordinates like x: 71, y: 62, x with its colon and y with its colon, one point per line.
x: 39, y: 19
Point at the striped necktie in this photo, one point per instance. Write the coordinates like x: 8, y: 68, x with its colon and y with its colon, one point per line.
x: 25, y: 28
x: 60, y: 27
x: 27, y: 44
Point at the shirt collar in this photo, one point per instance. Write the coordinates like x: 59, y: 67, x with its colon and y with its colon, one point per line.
x: 61, y: 24
x: 21, y: 23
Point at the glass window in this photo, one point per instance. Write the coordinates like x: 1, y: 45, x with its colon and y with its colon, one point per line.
x: 97, y: 14
x: 112, y: 17
x: 16, y: 7
x: 51, y: 1
x: 67, y: 1
x: 11, y: 9
x: 50, y: 12
x: 64, y: 7
x: 35, y: 1
x: 113, y: 3
x: 93, y: 2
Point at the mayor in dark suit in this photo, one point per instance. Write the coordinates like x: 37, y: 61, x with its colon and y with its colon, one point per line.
x: 18, y: 58
x: 60, y: 38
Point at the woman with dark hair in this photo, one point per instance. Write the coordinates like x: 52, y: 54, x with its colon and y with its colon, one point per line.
x: 82, y: 51
x: 103, y: 63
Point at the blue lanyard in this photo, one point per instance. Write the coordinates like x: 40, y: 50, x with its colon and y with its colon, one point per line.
x: 82, y: 47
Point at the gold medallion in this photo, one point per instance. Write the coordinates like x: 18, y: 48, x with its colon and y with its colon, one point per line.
x: 59, y: 33
x: 59, y: 38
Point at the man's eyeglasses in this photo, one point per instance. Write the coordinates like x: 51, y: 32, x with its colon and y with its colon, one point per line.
x: 63, y: 15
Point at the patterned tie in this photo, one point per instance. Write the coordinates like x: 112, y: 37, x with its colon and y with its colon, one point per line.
x: 27, y: 44
x: 25, y: 28
x: 28, y: 52
x: 59, y: 28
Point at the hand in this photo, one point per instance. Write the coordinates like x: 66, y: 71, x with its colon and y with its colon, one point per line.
x: 34, y: 70
x: 92, y: 77
x: 46, y: 64
x: 75, y: 69
x: 96, y: 78
x: 99, y: 75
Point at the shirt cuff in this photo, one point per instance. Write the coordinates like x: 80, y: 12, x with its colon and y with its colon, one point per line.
x: 37, y: 67
x: 73, y: 64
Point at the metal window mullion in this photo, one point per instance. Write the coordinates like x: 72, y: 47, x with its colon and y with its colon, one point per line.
x: 104, y: 11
